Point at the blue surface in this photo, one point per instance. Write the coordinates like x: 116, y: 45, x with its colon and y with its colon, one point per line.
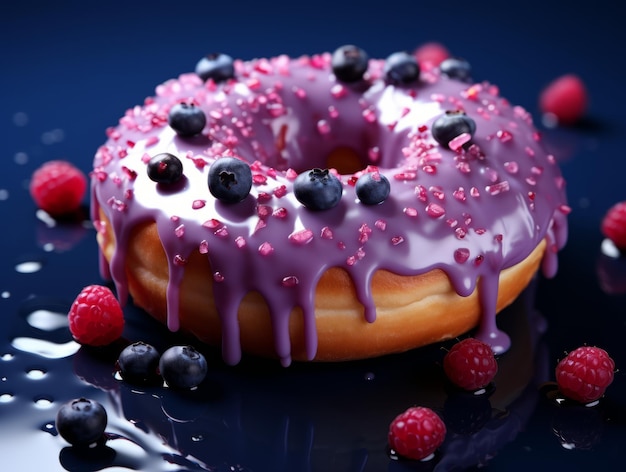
x: 70, y: 69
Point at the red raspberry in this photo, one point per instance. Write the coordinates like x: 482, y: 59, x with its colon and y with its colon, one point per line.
x: 431, y: 54
x: 565, y: 98
x: 416, y: 433
x: 96, y: 317
x: 58, y: 187
x: 585, y: 373
x: 470, y: 364
x: 613, y: 225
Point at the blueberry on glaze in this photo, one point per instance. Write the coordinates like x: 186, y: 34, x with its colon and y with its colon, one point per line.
x: 456, y: 68
x: 401, y: 68
x: 216, y: 66
x: 165, y: 168
x: 318, y: 189
x: 138, y: 363
x: 183, y: 367
x: 230, y: 179
x: 372, y: 188
x: 349, y: 63
x: 450, y: 125
x: 81, y: 422
x: 186, y: 119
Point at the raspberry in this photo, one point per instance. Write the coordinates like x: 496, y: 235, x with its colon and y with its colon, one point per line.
x: 565, y: 98
x: 416, y: 433
x: 470, y: 364
x: 585, y: 373
x: 430, y: 54
x: 96, y: 317
x: 58, y: 187
x: 613, y: 225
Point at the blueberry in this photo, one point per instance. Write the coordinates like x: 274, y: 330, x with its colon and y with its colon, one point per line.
x: 138, y: 363
x: 183, y: 367
x: 186, y: 119
x: 372, y: 188
x: 349, y: 63
x: 318, y: 189
x: 81, y: 422
x: 401, y: 68
x: 230, y: 179
x: 217, y: 66
x: 165, y: 168
x: 450, y: 125
x: 456, y: 68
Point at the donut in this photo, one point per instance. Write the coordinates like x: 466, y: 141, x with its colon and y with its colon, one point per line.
x: 326, y: 207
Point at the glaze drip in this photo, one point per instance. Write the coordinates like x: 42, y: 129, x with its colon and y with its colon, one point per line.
x: 471, y: 208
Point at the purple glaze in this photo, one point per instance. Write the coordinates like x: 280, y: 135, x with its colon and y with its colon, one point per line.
x: 471, y: 212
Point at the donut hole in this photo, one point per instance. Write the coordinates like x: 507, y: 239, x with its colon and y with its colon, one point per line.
x: 346, y: 160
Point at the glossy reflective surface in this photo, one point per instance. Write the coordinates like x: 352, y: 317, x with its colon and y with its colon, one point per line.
x: 71, y: 72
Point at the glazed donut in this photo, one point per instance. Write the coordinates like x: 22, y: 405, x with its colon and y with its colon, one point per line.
x: 326, y: 207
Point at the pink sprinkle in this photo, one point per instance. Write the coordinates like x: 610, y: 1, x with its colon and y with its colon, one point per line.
x: 326, y: 233
x: 480, y: 231
x: 537, y: 170
x: 351, y: 260
x: 498, y: 188
x: 374, y: 154
x: 460, y: 232
x: 397, y: 240
x: 333, y: 112
x: 369, y: 115
x: 364, y: 233
x: 461, y: 255
x: 197, y: 204
x: 479, y: 260
x: 266, y: 249
x: 530, y: 151
x: 299, y: 92
x: 338, y: 91
x: 429, y: 169
x: 128, y: 194
x: 498, y: 238
x: 280, y: 191
x: 434, y: 210
x: 407, y: 175
x: 259, y: 179
x: 291, y: 174
x: 459, y: 141
x: 452, y: 223
x: 212, y: 224
x: 512, y: 167
x: 280, y: 213
x: 264, y: 197
x: 459, y: 194
x: 218, y: 277
x: 221, y: 232
x: 323, y: 127
x: 263, y: 211
x: 290, y: 281
x: 179, y: 260
x: 180, y: 231
x: 504, y: 136
x: 253, y: 84
x: 409, y: 211
x: 301, y: 237
x: 420, y: 193
x: 437, y: 192
x: 565, y: 209
x: 203, y: 247
x: 474, y: 192
x: 531, y: 195
x: 381, y: 224
x: 240, y: 242
x: 341, y: 245
x: 152, y: 140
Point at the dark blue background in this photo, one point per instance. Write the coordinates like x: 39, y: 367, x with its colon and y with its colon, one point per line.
x: 73, y: 67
